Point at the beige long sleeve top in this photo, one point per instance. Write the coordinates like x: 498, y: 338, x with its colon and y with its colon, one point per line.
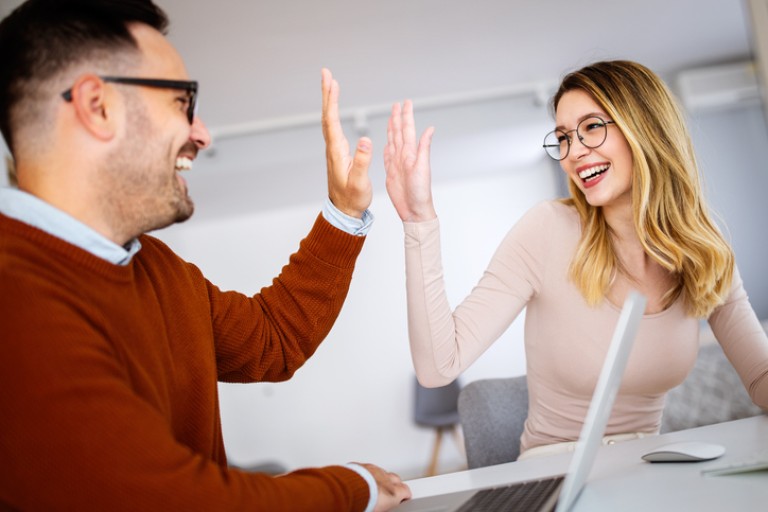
x: 565, y: 339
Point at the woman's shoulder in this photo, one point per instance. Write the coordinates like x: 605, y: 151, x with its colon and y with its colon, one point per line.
x: 552, y: 213
x: 545, y: 222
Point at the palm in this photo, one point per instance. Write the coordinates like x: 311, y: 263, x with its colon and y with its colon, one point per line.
x: 407, y: 165
x: 349, y: 186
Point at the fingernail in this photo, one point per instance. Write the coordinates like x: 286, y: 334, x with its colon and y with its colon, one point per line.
x: 364, y: 145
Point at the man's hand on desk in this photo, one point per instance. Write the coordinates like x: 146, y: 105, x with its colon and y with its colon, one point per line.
x: 392, y: 490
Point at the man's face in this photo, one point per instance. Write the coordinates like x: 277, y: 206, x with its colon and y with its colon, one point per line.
x: 142, y: 177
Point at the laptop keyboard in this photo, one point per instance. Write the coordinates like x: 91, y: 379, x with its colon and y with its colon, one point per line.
x: 522, y: 496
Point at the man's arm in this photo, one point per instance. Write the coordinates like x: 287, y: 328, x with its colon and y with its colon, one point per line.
x: 270, y: 335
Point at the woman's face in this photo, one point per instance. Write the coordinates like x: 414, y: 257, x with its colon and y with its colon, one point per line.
x: 603, y: 173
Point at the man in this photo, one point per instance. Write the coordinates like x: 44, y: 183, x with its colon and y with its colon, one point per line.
x: 112, y: 345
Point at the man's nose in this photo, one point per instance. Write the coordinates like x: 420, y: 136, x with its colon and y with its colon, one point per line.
x: 200, y: 134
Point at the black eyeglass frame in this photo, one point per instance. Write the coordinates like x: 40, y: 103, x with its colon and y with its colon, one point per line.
x: 190, y: 86
x: 570, y: 140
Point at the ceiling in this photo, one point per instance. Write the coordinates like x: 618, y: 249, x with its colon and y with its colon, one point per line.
x: 260, y: 61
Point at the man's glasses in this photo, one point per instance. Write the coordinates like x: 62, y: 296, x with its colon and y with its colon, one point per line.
x: 190, y: 86
x: 591, y: 131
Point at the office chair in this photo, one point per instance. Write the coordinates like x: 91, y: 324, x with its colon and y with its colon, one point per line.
x: 437, y: 408
x: 492, y: 414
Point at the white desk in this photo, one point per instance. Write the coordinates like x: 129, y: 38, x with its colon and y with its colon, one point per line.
x: 621, y: 480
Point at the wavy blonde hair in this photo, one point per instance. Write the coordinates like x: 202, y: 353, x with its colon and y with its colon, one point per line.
x: 671, y: 218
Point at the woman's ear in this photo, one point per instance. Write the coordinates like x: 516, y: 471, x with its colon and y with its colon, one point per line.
x: 95, y: 106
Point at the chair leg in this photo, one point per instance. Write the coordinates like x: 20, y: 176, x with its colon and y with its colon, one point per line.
x: 458, y: 437
x: 432, y: 468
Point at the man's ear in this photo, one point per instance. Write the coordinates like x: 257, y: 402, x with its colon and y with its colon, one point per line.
x: 95, y: 107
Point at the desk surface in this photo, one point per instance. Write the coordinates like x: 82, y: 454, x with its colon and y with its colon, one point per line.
x: 621, y: 480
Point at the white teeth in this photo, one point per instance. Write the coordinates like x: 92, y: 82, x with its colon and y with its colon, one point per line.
x: 183, y: 163
x: 593, y: 171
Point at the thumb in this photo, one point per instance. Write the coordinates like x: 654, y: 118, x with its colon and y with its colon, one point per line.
x: 425, y: 143
x: 362, y: 159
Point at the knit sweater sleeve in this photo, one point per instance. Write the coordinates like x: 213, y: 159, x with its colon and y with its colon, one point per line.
x: 267, y: 337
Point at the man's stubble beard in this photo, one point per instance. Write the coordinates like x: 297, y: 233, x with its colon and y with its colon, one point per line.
x: 142, y: 191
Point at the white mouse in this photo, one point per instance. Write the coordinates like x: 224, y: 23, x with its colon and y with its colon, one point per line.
x: 685, y: 451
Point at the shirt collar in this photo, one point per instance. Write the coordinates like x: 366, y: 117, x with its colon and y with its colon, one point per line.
x: 31, y: 210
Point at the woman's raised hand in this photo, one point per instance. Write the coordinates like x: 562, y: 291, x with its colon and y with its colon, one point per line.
x: 407, y: 164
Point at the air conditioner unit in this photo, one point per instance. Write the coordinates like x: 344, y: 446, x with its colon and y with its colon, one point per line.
x: 719, y: 87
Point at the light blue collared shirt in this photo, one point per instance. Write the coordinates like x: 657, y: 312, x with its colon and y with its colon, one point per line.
x: 30, y: 210
x: 352, y: 225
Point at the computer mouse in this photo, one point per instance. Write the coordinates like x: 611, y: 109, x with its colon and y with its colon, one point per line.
x: 685, y: 451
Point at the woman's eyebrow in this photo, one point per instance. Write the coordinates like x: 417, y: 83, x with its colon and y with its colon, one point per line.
x: 585, y: 116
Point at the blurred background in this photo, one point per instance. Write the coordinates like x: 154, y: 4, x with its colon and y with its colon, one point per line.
x: 482, y: 74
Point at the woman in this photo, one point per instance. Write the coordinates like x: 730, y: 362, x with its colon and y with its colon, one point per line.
x: 636, y: 219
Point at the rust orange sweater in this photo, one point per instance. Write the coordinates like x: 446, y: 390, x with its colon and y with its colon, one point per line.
x: 108, y: 394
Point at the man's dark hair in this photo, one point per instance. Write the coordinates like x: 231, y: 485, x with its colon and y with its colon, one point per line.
x: 41, y: 38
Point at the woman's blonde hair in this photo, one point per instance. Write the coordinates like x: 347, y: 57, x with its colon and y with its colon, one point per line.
x: 669, y: 212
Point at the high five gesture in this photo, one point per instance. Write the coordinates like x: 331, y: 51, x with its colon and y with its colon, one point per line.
x: 349, y: 186
x: 407, y: 165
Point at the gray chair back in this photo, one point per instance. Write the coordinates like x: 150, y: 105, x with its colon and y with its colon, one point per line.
x: 492, y: 414
x: 711, y: 393
x: 436, y: 407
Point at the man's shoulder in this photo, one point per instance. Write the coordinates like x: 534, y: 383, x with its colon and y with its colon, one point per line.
x: 158, y: 254
x: 153, y: 244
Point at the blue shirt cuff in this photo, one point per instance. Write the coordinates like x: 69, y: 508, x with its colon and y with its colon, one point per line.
x: 344, y: 222
x: 360, y: 470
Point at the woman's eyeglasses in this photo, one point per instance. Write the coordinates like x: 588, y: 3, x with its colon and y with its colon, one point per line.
x: 591, y: 132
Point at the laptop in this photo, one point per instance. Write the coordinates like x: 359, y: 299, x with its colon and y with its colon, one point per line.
x: 560, y: 492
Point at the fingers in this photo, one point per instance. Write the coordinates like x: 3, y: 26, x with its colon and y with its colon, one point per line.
x: 409, y: 125
x: 325, y: 81
x: 401, y: 128
x: 397, y: 126
x: 361, y: 161
x: 395, y: 489
x: 392, y: 490
x: 401, y: 138
x: 398, y: 490
x: 393, y: 152
x: 425, y: 143
x: 390, y: 151
x: 330, y: 117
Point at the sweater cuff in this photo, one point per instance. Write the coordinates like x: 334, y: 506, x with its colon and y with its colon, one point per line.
x: 373, y: 488
x: 332, y: 245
